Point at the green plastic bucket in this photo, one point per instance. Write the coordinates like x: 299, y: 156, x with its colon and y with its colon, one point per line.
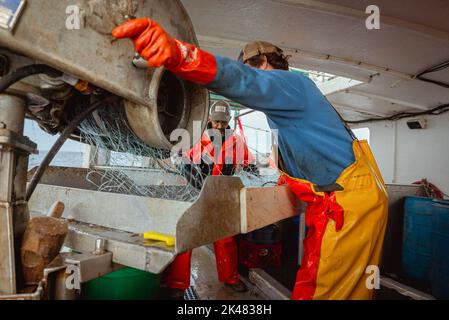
x: 124, y: 284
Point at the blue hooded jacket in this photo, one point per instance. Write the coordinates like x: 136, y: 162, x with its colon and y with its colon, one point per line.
x: 313, y: 141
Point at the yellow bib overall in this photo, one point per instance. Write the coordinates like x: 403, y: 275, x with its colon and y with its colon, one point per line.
x: 345, y: 231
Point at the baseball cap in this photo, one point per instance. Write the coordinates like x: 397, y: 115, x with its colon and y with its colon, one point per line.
x: 220, y: 111
x: 256, y: 48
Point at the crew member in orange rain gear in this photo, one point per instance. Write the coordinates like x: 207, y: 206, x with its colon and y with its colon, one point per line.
x: 219, y: 152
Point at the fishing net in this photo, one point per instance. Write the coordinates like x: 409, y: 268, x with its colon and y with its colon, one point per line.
x: 132, y: 167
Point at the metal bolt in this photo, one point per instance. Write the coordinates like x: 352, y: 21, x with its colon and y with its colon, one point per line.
x: 100, y: 247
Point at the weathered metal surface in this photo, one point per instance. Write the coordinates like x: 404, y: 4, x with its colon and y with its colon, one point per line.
x: 38, y: 294
x: 13, y: 210
x: 44, y: 288
x: 179, y: 105
x: 141, y: 214
x: 142, y: 118
x: 65, y: 177
x: 13, y: 111
x: 11, y: 139
x: 214, y: 216
x: 60, y: 290
x: 89, y: 52
x: 7, y: 256
x: 76, y: 39
x: 80, y: 178
x: 261, y: 207
x: 118, y: 211
x: 128, y: 249
x: 146, y: 177
x: 77, y: 269
x: 91, y: 266
x: 120, y: 219
x: 52, y: 285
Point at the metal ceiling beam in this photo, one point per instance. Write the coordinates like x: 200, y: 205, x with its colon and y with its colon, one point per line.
x: 340, y: 10
x: 337, y: 85
x: 350, y: 108
x: 388, y: 99
x: 219, y: 43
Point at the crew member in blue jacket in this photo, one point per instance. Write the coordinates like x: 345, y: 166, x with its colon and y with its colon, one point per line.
x: 335, y: 174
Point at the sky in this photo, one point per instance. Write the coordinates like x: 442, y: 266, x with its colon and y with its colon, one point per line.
x: 256, y: 139
x: 45, y: 141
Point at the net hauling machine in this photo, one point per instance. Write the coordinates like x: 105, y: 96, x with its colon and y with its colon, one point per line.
x: 58, y: 76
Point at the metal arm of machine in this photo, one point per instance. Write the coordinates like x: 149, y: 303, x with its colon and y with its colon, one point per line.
x: 122, y: 219
x: 155, y: 102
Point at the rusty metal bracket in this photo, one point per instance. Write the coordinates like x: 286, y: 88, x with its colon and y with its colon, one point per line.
x: 11, y: 139
x: 42, y: 290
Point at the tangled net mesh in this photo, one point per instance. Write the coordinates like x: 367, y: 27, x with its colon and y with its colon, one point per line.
x: 134, y: 168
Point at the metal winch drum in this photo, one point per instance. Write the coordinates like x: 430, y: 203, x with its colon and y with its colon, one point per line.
x: 75, y: 38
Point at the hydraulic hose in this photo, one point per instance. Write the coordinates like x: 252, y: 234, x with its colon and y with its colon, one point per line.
x: 24, y: 72
x: 65, y: 134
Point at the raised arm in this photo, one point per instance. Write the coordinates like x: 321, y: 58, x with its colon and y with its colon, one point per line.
x: 261, y: 90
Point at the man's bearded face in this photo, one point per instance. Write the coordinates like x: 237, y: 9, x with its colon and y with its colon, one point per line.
x: 220, y: 125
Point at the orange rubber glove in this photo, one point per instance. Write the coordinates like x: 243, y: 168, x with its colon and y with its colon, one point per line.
x: 159, y: 49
